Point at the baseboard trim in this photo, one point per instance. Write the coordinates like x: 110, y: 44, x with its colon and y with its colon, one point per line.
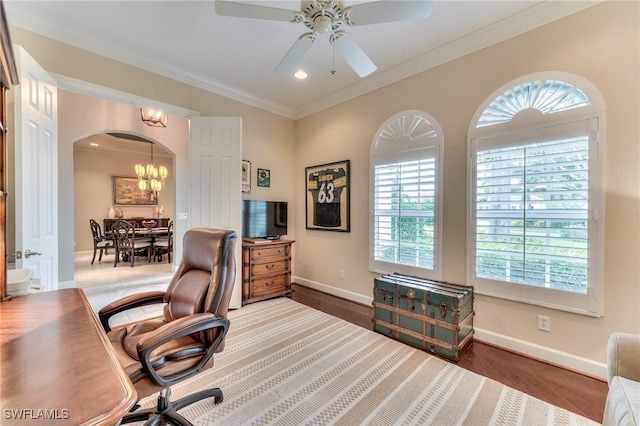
x: 561, y: 359
x: 345, y: 294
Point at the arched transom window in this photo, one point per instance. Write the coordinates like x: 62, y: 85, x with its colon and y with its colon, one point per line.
x: 546, y: 96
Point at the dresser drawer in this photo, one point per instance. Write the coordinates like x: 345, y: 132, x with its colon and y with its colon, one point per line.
x: 264, y: 286
x: 278, y: 251
x: 269, y: 267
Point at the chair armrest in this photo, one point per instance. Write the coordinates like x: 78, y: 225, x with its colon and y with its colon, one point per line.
x: 128, y: 302
x: 174, y: 330
x: 623, y: 356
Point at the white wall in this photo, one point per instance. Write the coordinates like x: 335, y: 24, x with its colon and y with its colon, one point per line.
x: 601, y: 44
x: 80, y: 116
x: 268, y: 139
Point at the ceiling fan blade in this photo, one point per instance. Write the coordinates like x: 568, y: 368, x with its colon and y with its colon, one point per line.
x: 353, y: 54
x: 295, y: 54
x: 244, y: 10
x: 378, y: 12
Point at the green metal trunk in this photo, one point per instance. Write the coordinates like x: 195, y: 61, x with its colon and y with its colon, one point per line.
x: 431, y: 315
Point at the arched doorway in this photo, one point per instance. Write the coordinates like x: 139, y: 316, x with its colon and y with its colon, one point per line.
x: 85, y: 116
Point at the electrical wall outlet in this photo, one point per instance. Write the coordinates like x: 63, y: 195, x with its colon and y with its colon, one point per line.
x: 544, y: 323
x: 342, y: 274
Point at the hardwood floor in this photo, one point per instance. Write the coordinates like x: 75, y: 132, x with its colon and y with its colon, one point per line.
x: 573, y: 391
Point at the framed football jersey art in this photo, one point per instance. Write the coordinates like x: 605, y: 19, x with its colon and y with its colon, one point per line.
x: 328, y: 195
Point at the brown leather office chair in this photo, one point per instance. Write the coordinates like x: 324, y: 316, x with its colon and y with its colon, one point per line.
x: 100, y: 242
x: 159, y: 352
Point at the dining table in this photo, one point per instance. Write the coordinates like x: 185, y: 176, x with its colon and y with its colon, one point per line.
x: 152, y: 233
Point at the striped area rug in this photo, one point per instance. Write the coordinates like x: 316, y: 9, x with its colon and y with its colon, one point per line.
x: 287, y: 364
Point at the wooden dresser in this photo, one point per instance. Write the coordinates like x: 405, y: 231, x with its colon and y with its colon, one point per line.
x: 266, y: 269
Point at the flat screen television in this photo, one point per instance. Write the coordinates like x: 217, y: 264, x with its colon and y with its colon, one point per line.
x: 264, y: 219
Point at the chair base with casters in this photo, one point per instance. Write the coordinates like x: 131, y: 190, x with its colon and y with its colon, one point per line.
x: 167, y: 410
x: 157, y: 353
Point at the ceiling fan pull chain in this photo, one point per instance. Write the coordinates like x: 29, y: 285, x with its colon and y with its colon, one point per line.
x: 333, y: 59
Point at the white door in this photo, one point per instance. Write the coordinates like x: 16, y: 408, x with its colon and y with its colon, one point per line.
x: 215, y: 159
x: 36, y: 156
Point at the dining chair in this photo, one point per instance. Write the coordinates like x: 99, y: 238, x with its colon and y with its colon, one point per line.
x: 100, y: 242
x: 127, y: 244
x: 164, y: 245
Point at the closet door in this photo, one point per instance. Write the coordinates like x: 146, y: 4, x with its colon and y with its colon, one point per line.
x: 36, y: 150
x: 215, y: 159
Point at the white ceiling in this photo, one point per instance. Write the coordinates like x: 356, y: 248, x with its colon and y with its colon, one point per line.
x: 235, y: 57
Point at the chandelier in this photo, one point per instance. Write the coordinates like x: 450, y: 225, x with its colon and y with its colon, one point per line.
x: 150, y: 177
x: 153, y: 117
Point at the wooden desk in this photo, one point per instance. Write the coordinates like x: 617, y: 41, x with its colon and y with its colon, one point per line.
x: 56, y: 361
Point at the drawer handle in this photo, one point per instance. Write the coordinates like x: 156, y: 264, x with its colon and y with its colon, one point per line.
x: 270, y: 266
x: 269, y: 283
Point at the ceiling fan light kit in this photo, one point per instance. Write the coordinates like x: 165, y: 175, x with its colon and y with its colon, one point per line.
x: 326, y: 17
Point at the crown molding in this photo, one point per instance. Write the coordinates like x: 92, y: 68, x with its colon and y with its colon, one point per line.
x: 534, y: 17
x: 45, y: 29
x: 90, y: 89
x: 530, y: 19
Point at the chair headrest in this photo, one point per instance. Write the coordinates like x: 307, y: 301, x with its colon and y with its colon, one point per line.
x: 201, y: 247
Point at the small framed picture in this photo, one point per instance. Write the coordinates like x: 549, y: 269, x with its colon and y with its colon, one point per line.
x: 246, y: 176
x: 264, y: 177
x: 328, y: 195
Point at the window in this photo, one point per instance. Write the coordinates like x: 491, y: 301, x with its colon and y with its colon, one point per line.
x: 535, y: 216
x: 405, y: 196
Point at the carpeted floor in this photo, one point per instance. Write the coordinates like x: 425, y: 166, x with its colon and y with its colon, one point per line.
x: 287, y: 364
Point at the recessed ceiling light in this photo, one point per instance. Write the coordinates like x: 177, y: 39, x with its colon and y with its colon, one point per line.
x: 94, y: 144
x: 300, y: 74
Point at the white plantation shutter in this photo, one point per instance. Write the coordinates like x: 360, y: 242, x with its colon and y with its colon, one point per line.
x: 546, y: 96
x: 535, y: 214
x: 532, y: 214
x: 405, y: 196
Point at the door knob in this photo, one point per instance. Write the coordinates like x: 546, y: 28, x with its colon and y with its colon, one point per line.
x: 28, y: 253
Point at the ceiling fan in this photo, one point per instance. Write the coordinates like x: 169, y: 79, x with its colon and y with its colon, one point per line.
x: 327, y: 17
